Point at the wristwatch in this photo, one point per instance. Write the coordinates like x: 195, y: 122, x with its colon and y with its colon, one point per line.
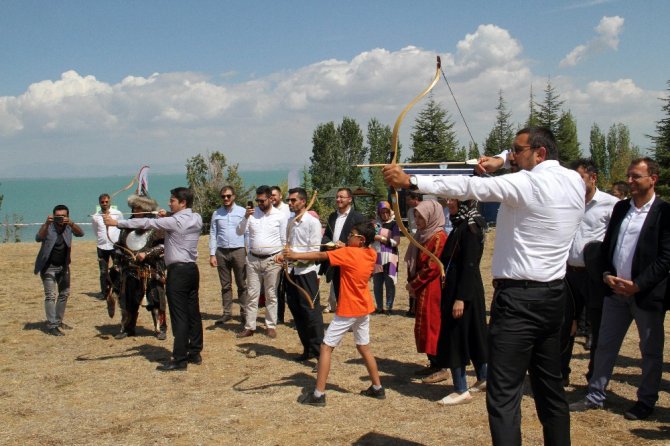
x: 413, y: 182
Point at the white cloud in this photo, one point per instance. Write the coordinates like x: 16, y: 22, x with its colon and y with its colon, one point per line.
x: 608, y: 31
x: 164, y: 118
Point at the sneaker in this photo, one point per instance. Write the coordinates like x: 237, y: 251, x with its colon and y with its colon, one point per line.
x: 439, y: 376
x: 372, y: 393
x: 479, y: 386
x: 455, y: 398
x: 639, y: 411
x: 55, y: 331
x: 311, y: 400
x: 161, y: 336
x: 584, y: 405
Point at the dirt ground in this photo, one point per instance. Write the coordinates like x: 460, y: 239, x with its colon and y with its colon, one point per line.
x: 88, y: 388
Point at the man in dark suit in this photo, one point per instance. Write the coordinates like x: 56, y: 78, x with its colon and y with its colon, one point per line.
x: 339, y: 226
x: 636, y: 251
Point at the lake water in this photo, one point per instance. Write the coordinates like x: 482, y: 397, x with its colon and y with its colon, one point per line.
x: 33, y: 199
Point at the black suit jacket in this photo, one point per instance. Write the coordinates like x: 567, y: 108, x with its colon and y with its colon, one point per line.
x: 353, y: 219
x: 651, y: 260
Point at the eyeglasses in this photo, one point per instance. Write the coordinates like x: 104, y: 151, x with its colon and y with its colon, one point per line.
x: 636, y: 176
x: 225, y: 196
x: 259, y: 201
x: 520, y: 149
x: 340, y: 197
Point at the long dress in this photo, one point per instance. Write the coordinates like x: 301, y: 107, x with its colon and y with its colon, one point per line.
x: 428, y: 291
x: 464, y: 339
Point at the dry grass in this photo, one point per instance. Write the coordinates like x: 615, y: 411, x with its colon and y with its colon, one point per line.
x: 87, y: 388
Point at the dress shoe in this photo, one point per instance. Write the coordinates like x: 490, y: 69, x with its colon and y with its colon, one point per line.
x: 429, y: 370
x: 124, y: 334
x: 455, y: 398
x: 272, y: 333
x: 161, y: 336
x: 225, y: 318
x: 244, y: 333
x: 55, y: 331
x: 439, y: 376
x: 64, y: 326
x: 172, y: 366
x: 305, y: 357
x: 639, y: 411
x: 584, y: 405
x: 194, y: 358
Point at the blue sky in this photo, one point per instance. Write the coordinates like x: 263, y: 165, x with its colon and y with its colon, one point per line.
x: 117, y: 84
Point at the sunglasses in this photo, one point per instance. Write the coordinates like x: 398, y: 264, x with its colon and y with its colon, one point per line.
x: 225, y: 196
x: 258, y: 200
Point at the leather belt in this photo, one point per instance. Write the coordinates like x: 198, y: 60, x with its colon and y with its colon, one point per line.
x: 512, y: 283
x: 265, y: 256
x: 576, y: 269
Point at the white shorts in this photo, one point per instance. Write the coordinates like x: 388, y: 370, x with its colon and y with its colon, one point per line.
x: 339, y: 326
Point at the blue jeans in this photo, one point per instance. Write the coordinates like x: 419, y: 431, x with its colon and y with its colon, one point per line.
x: 56, y: 282
x: 379, y: 281
x: 460, y: 381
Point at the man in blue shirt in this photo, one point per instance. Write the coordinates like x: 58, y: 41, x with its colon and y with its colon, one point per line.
x: 227, y: 254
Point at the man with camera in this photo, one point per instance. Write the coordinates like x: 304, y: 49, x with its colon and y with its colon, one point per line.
x: 53, y: 265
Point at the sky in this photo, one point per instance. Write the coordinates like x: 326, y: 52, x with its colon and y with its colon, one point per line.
x: 91, y: 88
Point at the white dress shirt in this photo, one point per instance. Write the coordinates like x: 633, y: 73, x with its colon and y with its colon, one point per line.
x: 104, y: 242
x: 305, y: 236
x: 339, y: 224
x: 266, y: 233
x: 593, y: 227
x: 539, y: 215
x: 629, y: 233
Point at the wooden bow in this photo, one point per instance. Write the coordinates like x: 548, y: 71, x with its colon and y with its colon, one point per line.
x: 393, y: 155
x: 295, y: 220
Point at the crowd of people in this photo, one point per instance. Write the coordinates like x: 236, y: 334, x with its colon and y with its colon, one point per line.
x: 563, y: 248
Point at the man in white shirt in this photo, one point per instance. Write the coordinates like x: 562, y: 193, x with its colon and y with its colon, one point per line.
x: 105, y: 238
x: 304, y: 235
x: 636, y: 249
x: 265, y: 228
x: 584, y: 292
x: 278, y: 202
x: 541, y: 207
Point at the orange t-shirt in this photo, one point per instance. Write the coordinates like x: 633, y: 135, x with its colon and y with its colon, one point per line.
x: 356, y: 266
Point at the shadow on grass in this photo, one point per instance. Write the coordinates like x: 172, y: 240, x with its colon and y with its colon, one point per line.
x: 303, y: 380
x: 377, y: 439
x: 151, y: 353
x: 660, y: 433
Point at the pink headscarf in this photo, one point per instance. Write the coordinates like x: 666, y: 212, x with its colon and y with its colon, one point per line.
x: 433, y: 213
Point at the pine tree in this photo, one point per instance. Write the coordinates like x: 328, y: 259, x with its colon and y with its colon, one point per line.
x: 326, y: 170
x: 473, y: 151
x: 501, y: 135
x: 433, y: 138
x: 619, y: 152
x: 662, y: 148
x: 353, y: 151
x: 566, y: 137
x: 532, y: 120
x: 598, y: 149
x: 549, y: 111
x: 379, y: 146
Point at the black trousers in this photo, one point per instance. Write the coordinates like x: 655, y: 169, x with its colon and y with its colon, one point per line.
x: 524, y: 335
x: 103, y: 263
x: 308, y: 322
x: 183, y: 282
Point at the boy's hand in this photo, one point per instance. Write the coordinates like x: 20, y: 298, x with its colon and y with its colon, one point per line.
x: 287, y: 254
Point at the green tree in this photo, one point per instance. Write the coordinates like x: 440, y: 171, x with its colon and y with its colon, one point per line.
x: 549, y: 111
x: 620, y: 152
x: 566, y: 137
x: 598, y: 149
x: 206, y: 175
x: 473, y: 151
x: 327, y: 169
x: 533, y: 120
x: 501, y: 135
x: 661, y: 141
x: 353, y: 151
x: 379, y: 146
x: 433, y: 138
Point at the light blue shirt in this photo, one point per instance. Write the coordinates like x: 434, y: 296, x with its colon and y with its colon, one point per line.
x: 222, y: 232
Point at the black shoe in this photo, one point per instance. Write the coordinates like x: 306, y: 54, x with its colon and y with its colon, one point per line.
x: 584, y: 405
x: 301, y: 358
x: 310, y: 399
x: 194, y: 358
x: 55, y: 331
x: 225, y: 318
x: 123, y: 335
x: 64, y: 326
x: 172, y: 366
x: 372, y: 393
x: 639, y: 411
x: 161, y: 336
x: 588, y: 343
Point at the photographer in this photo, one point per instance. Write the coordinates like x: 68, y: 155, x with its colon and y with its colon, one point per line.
x: 53, y: 265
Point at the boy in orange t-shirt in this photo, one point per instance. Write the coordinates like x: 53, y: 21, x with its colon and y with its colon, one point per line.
x: 356, y: 262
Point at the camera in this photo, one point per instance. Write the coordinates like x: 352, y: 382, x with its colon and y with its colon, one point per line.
x: 58, y: 218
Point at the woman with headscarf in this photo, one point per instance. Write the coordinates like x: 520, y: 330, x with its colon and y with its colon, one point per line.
x: 387, y: 239
x: 423, y: 279
x: 463, y: 333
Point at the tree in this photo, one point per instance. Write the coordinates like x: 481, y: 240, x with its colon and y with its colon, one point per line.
x: 353, y: 151
x: 501, y: 135
x: 379, y: 146
x: 566, y: 137
x: 533, y: 120
x: 473, y: 151
x: 598, y: 149
x: 619, y: 152
x: 433, y: 138
x: 661, y: 143
x: 549, y: 111
x: 326, y: 170
x: 206, y: 176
